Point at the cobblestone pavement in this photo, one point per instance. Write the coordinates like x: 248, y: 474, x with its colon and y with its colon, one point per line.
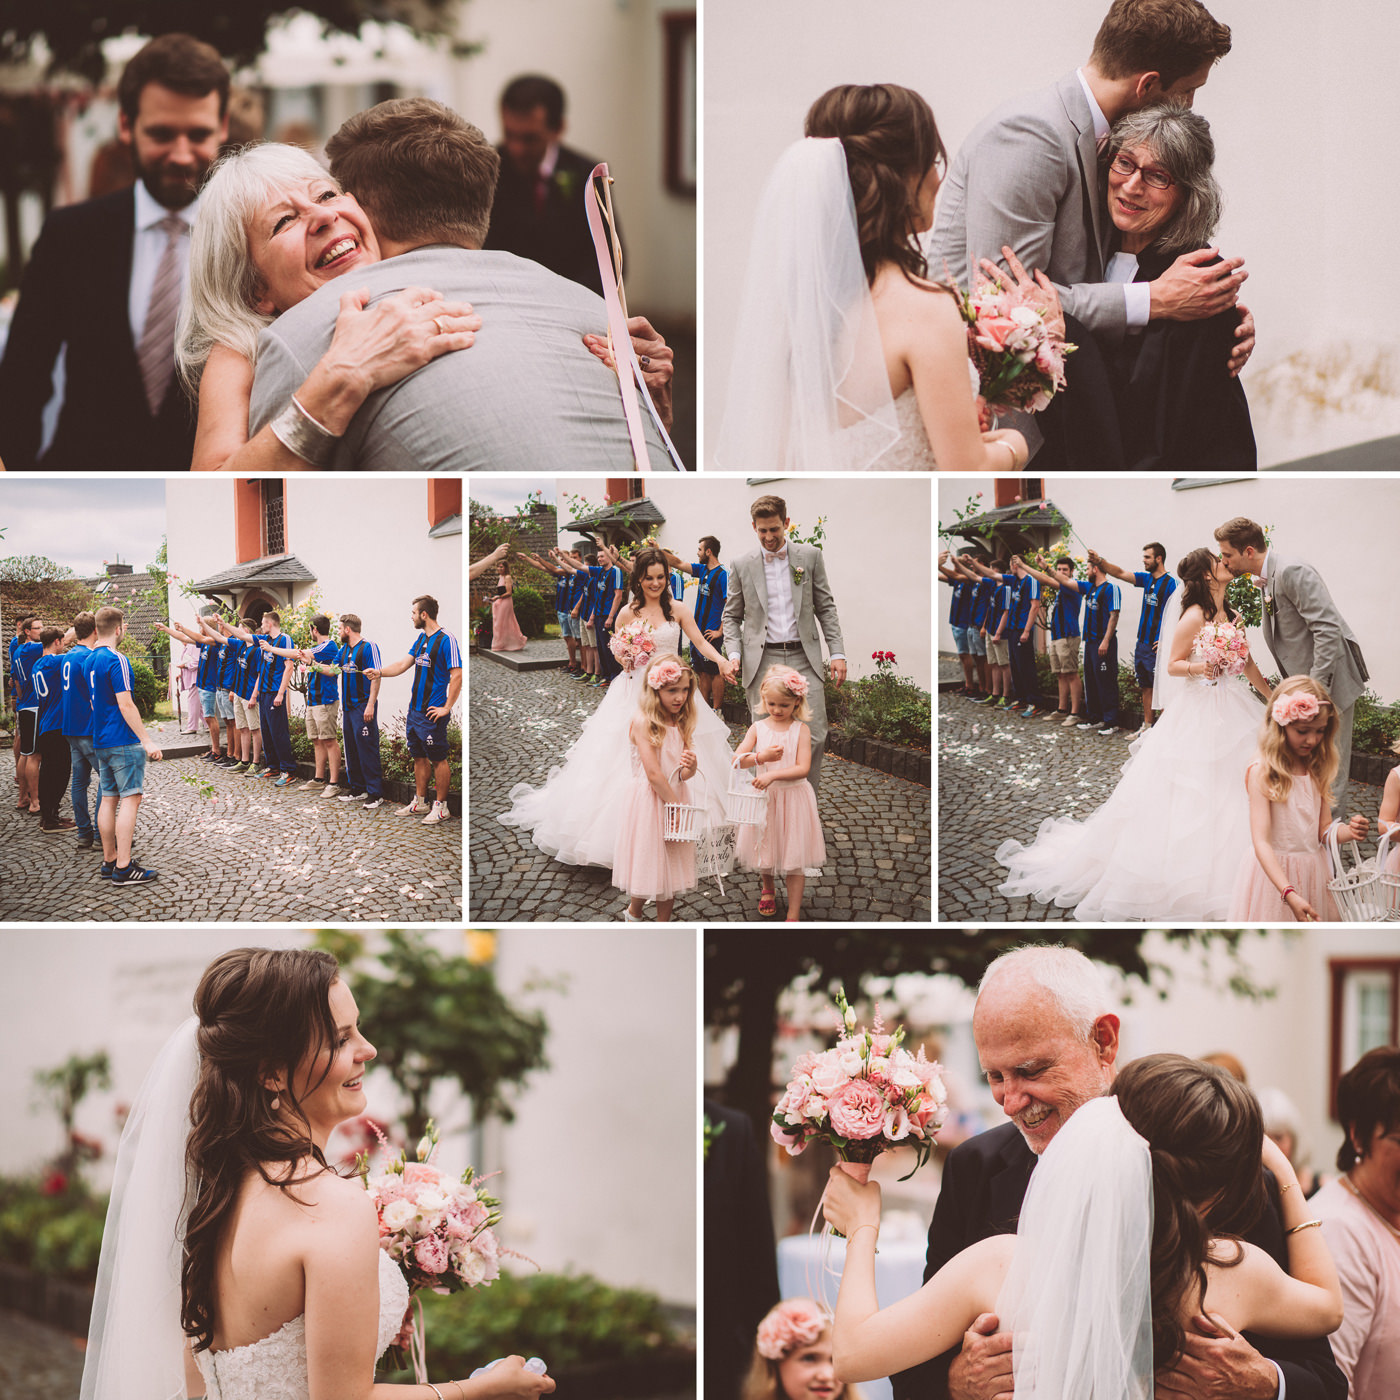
x: 249, y: 853
x: 37, y: 1362
x: 876, y: 827
x: 1000, y: 776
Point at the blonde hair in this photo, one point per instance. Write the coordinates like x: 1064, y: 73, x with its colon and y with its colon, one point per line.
x: 775, y: 676
x: 763, y: 1382
x: 1275, y: 757
x: 650, y: 703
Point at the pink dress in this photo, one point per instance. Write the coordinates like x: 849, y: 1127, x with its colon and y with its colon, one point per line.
x: 1293, y: 828
x: 1392, y: 861
x: 790, y: 838
x: 645, y: 864
x: 505, y: 630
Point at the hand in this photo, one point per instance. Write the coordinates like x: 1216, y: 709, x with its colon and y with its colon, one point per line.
x: 729, y: 669
x: 1038, y: 294
x: 1302, y: 910
x: 761, y: 781
x: 848, y: 1204
x: 715, y: 634
x: 509, y: 1380
x: 656, y: 358
x: 1244, y: 340
x: 437, y: 712
x: 985, y: 418
x: 838, y: 672
x: 1026, y: 635
x: 500, y: 552
x: 1187, y: 291
x: 982, y: 1369
x: 368, y: 713
x: 1103, y: 647
x: 1358, y: 825
x: 152, y: 752
x: 689, y: 764
x: 373, y: 673
x: 1020, y: 453
x: 772, y: 754
x: 277, y: 701
x: 1217, y: 1364
x: 1272, y: 1157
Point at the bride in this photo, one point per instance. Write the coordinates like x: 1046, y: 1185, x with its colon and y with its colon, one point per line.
x: 1169, y: 841
x: 235, y: 1262
x: 1115, y: 1251
x: 574, y: 816
x: 847, y: 356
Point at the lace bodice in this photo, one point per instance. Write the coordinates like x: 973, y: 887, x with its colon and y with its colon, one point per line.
x: 275, y: 1368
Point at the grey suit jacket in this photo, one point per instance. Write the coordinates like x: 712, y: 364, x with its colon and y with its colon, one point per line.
x: 527, y: 395
x: 1028, y: 177
x: 746, y: 609
x: 1306, y: 633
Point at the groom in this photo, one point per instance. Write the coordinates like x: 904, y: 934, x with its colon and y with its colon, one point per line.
x: 778, y: 597
x: 1042, y: 1066
x: 1304, y: 630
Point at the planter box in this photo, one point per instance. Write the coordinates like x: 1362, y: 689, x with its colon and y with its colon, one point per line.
x: 670, y: 1374
x: 53, y: 1300
x: 913, y: 765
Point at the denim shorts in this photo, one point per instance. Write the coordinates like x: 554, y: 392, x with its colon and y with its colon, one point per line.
x: 961, y: 642
x: 121, y: 771
x: 976, y: 642
x: 426, y: 738
x: 224, y: 703
x: 209, y: 703
x: 568, y: 625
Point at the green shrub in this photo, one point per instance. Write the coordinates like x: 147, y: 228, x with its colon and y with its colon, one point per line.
x: 53, y: 1227
x: 568, y: 1319
x: 395, y: 761
x: 889, y: 707
x: 69, y: 1246
x: 1376, y: 726
x: 532, y: 609
x: 145, y: 689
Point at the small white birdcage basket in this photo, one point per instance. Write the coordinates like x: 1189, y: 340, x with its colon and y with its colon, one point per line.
x: 744, y: 804
x: 682, y: 821
x: 1358, y: 891
x: 1388, y: 880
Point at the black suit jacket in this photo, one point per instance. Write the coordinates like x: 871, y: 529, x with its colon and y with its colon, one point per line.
x: 984, y: 1183
x: 741, y: 1261
x: 76, y: 290
x: 557, y: 237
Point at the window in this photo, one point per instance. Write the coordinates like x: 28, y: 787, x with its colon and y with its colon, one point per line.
x: 1365, y: 1012
x: 274, y: 519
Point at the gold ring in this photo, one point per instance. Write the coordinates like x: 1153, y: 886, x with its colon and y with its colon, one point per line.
x: 437, y: 321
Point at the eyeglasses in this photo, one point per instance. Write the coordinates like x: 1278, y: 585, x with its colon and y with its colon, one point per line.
x: 1158, y: 179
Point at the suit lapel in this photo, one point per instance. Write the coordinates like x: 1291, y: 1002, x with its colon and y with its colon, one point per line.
x: 1087, y: 153
x: 115, y: 283
x: 1007, y: 1187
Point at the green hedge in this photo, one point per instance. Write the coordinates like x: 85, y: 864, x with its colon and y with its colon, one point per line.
x: 145, y: 689
x: 532, y: 609
x: 884, y: 706
x: 55, y: 1232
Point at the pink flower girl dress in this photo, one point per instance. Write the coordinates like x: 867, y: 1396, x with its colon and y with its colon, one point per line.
x: 790, y: 838
x: 1293, y: 827
x: 645, y: 864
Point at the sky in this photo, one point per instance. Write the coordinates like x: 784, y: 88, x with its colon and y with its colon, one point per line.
x: 80, y: 523
x: 503, y: 496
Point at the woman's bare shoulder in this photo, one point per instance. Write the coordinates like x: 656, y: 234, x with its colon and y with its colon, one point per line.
x: 229, y: 366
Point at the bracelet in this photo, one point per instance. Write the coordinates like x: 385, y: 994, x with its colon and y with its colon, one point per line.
x: 303, y: 436
x: 435, y: 1390
x: 859, y: 1228
x: 1012, y: 451
x: 1284, y: 896
x: 1306, y: 1225
x: 1284, y: 1190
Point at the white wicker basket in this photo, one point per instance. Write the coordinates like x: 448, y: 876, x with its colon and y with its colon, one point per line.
x: 1388, y: 880
x: 682, y: 821
x: 1358, y: 891
x: 743, y: 804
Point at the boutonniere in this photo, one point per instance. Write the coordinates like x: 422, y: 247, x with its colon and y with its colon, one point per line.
x: 566, y: 182
x: 798, y: 574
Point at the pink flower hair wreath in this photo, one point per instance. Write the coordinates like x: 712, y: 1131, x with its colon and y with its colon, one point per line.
x: 795, y: 1322
x: 665, y: 673
x: 1299, y: 705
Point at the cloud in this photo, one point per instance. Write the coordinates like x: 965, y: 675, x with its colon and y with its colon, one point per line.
x: 79, y: 523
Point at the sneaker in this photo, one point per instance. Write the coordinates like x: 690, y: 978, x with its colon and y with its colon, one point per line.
x: 331, y: 790
x: 351, y: 796
x: 1028, y: 712
x: 133, y: 874
x: 1089, y: 724
x: 108, y: 866
x: 60, y: 824
x: 1069, y: 722
x: 439, y: 813
x: 85, y: 840
x: 373, y: 803
x: 284, y: 781
x: 417, y: 805
x: 259, y: 771
x: 1108, y: 729
x: 311, y: 783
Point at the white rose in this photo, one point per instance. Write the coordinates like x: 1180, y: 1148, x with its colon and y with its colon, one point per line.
x: 472, y: 1268
x: 431, y: 1200
x: 398, y: 1214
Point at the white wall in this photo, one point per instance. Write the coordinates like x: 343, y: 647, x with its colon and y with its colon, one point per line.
x: 366, y: 541
x: 1296, y: 154
x: 609, y: 57
x: 876, y: 550
x: 1338, y: 524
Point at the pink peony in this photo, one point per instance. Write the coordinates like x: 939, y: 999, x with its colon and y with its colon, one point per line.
x: 795, y: 1322
x: 1299, y: 705
x: 857, y: 1110
x: 431, y: 1255
x: 421, y: 1172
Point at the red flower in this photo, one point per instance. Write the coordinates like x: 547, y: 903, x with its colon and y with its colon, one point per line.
x: 55, y: 1184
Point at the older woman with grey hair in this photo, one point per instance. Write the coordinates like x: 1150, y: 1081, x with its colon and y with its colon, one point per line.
x: 274, y: 227
x: 1163, y: 398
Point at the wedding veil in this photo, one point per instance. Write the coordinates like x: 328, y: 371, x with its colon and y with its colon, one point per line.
x: 1166, y: 687
x: 808, y: 366
x: 136, y: 1345
x: 1077, y: 1296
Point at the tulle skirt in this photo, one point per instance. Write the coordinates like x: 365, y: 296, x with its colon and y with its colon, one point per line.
x: 790, y: 838
x: 647, y: 865
x: 1257, y: 901
x: 577, y: 812
x: 1169, y: 841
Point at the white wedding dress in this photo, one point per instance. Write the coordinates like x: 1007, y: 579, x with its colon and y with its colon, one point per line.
x: 574, y: 815
x: 1169, y: 841
x: 275, y: 1368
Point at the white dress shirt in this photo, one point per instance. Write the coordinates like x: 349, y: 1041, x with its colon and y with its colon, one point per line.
x: 782, y: 613
x: 147, y: 249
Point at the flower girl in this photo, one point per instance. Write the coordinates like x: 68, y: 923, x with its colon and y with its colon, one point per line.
x: 1389, y: 819
x: 790, y: 839
x: 1290, y: 800
x: 646, y: 865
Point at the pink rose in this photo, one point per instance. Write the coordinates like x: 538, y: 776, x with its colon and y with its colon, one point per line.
x: 796, y: 1322
x: 421, y: 1172
x: 828, y: 1076
x: 431, y: 1255
x: 794, y: 1143
x: 994, y: 331
x: 857, y: 1110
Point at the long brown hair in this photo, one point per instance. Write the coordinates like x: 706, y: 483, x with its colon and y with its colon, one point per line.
x: 1196, y: 572
x: 1205, y: 1132
x: 890, y: 137
x: 644, y: 560
x: 261, y: 1011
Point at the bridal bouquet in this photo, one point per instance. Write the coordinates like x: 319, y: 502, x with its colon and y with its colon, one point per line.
x: 633, y: 645
x: 1018, y: 358
x: 864, y: 1096
x: 1223, y: 644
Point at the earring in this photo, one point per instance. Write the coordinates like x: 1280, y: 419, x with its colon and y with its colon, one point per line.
x: 276, y: 1103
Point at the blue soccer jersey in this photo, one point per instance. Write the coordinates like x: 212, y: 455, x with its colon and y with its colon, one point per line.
x: 110, y: 674
x: 271, y: 668
x: 1064, y: 621
x: 578, y: 587
x: 433, y: 659
x: 354, y: 661
x: 1024, y: 592
x: 561, y: 593
x: 206, y: 675
x: 77, y: 692
x: 997, y: 605
x: 249, y: 669
x: 981, y: 601
x: 47, y: 676
x: 26, y: 656
x: 1099, y: 607
x: 1155, y: 592
x: 711, y: 595
x: 677, y: 585
x: 611, y: 580
x: 321, y: 690
x: 964, y: 590
x: 230, y: 666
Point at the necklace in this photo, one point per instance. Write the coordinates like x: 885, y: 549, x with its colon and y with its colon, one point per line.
x: 1365, y: 1201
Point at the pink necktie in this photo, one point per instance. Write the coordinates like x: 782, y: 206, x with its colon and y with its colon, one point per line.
x: 156, y: 353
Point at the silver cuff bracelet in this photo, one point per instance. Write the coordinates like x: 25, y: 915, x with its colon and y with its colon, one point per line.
x: 303, y: 436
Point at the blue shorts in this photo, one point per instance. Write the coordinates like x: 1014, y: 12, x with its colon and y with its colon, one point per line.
x: 224, y: 702
x: 1144, y: 665
x: 701, y: 664
x: 209, y: 703
x: 568, y: 626
x: 961, y: 642
x: 976, y: 642
x: 120, y: 771
x: 426, y: 738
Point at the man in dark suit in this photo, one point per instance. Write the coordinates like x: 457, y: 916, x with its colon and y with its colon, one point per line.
x: 540, y: 211
x: 1029, y: 1024
x: 104, y: 281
